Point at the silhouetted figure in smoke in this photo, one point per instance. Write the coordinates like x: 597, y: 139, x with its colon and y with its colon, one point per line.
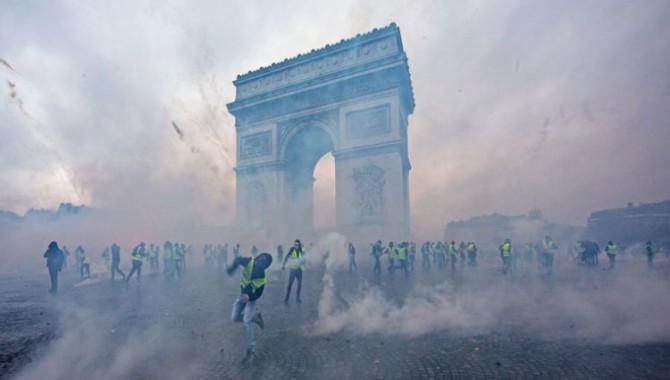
x: 207, y: 253
x: 452, y: 252
x: 612, y: 251
x: 79, y: 255
x: 252, y: 285
x: 528, y: 253
x: 401, y: 254
x: 85, y: 268
x: 170, y: 265
x: 471, y: 250
x: 296, y: 261
x: 412, y: 255
x: 461, y: 254
x: 579, y: 252
x: 221, y: 257
x: 440, y: 255
x: 649, y: 250
x: 55, y: 260
x: 425, y: 255
x: 66, y: 254
x: 351, y: 255
x: 153, y: 257
x: 591, y: 250
x: 137, y: 258
x: 506, y: 255
x: 548, y: 246
x: 280, y: 253
x: 105, y: 257
x: 392, y: 256
x: 377, y: 254
x: 116, y: 260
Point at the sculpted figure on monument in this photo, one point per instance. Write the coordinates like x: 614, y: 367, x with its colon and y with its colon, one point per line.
x: 369, y: 190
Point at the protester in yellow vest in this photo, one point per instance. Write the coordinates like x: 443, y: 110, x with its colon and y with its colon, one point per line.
x: 252, y: 284
x: 137, y: 256
x: 296, y: 262
x: 611, y: 250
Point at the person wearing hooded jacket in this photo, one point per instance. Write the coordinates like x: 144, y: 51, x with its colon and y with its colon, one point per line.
x: 55, y: 259
x: 252, y: 283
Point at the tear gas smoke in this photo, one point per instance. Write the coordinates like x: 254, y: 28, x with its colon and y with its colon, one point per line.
x: 584, y: 304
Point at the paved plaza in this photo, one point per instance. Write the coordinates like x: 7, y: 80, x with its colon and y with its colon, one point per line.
x: 433, y: 324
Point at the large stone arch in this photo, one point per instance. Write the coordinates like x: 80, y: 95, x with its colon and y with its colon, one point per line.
x: 352, y: 99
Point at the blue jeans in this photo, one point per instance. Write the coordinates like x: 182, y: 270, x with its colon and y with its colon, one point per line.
x: 244, y: 312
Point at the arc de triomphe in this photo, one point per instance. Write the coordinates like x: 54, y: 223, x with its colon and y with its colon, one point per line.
x: 352, y: 99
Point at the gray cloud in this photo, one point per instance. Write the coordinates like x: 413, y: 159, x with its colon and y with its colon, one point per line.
x: 559, y: 105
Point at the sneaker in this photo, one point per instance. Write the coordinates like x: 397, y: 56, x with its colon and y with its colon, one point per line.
x: 249, y: 357
x: 258, y: 319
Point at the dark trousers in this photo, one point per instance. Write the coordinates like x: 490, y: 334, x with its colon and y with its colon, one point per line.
x: 137, y: 267
x: 404, y: 267
x: 53, y: 273
x: 612, y: 261
x: 115, y: 268
x: 378, y: 266
x: 295, y: 274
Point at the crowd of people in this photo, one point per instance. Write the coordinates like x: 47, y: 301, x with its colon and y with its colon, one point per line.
x: 441, y: 255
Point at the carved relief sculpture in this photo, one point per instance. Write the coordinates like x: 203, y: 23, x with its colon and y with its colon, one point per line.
x: 369, y: 191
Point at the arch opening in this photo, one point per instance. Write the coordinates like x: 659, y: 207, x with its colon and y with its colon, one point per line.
x: 303, y: 152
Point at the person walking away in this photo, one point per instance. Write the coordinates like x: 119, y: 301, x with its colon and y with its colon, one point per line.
x: 425, y: 255
x: 66, y: 254
x: 296, y: 262
x: 116, y: 260
x: 506, y: 254
x: 377, y: 254
x: 471, y: 249
x: 105, y: 257
x: 401, y: 254
x: 85, y: 268
x: 352, y: 257
x: 252, y: 284
x: 611, y: 250
x: 79, y: 255
x: 137, y: 258
x: 153, y: 257
x: 649, y: 249
x: 55, y: 260
x: 461, y: 254
x: 452, y: 252
x: 548, y: 248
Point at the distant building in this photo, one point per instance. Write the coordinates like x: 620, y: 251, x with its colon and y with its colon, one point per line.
x: 489, y: 231
x: 632, y: 224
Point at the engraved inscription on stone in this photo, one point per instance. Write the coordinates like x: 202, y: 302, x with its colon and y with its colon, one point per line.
x: 369, y: 181
x: 331, y: 63
x: 368, y: 122
x: 256, y: 145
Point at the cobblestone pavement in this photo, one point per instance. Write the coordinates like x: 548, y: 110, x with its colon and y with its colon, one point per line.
x: 157, y: 329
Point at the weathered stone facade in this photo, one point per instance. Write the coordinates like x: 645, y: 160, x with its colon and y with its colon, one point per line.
x: 632, y: 224
x: 352, y: 99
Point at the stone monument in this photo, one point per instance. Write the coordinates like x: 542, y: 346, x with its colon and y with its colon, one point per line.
x: 353, y: 99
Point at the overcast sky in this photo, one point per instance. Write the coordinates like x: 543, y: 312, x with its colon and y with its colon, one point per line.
x: 559, y: 105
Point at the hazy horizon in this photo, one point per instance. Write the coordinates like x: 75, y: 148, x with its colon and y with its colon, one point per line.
x: 519, y: 105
